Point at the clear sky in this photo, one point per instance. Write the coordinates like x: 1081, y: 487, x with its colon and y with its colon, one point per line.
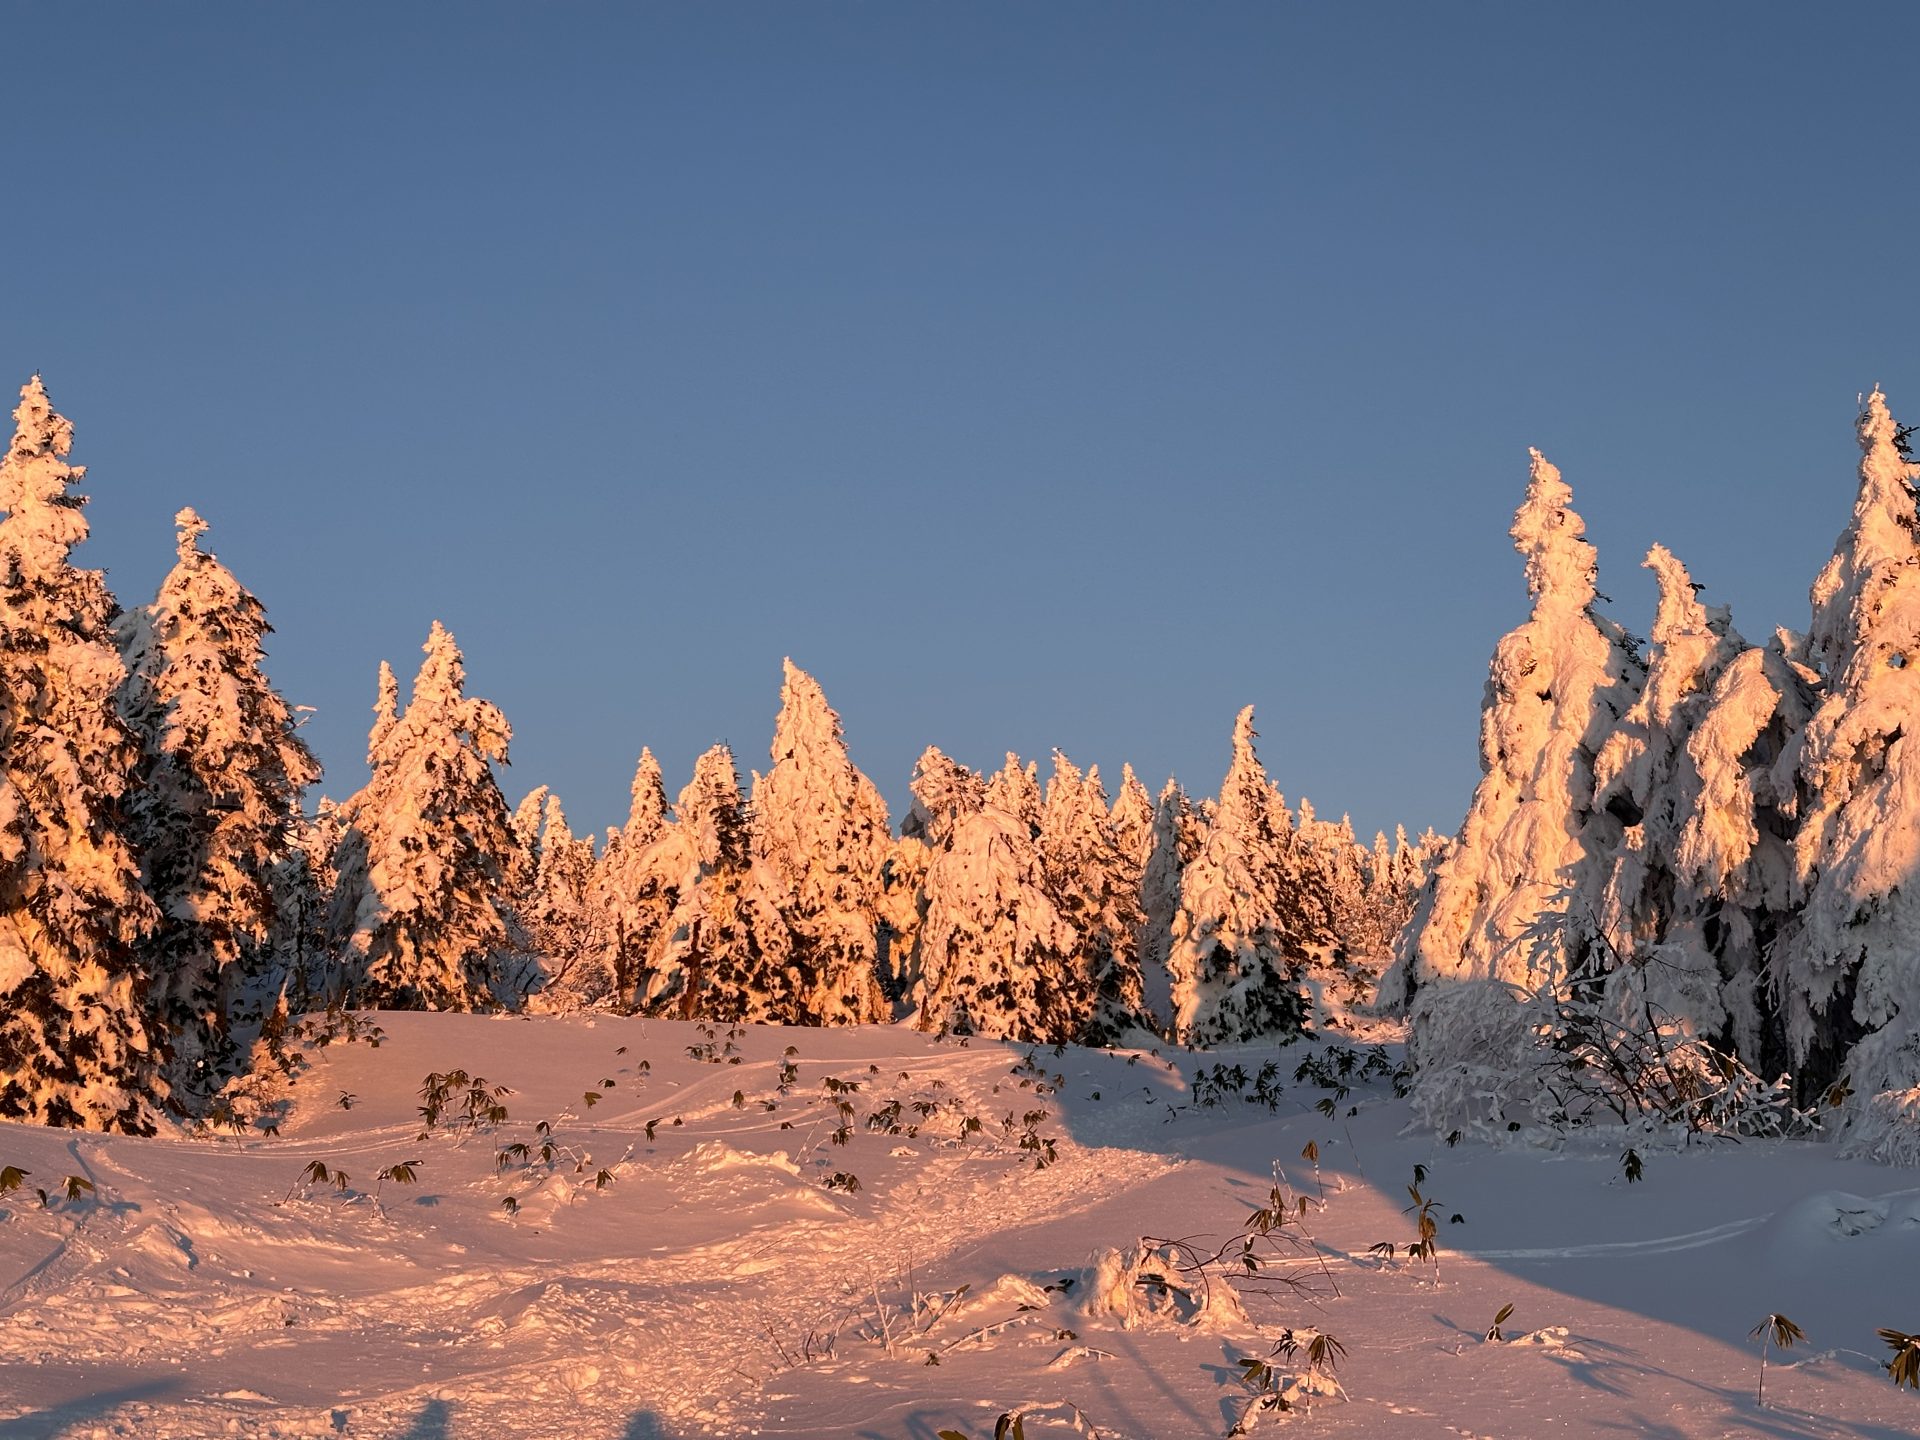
x: 1035, y: 375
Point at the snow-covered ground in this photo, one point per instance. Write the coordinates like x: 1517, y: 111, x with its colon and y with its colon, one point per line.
x: 681, y: 1265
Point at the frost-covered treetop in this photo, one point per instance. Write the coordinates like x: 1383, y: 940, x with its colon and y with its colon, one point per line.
x: 944, y: 792
x: 1547, y: 531
x: 386, y: 710
x: 1246, y: 794
x: 1015, y: 790
x: 806, y: 722
x: 438, y: 706
x: 648, y: 811
x: 189, y: 527
x: 1695, y: 641
x: 43, y: 520
x: 1876, y: 546
x: 708, y: 810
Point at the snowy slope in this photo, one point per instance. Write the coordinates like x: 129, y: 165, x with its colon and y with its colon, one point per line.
x: 714, y: 1285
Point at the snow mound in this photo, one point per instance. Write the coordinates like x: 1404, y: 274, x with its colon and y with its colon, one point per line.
x: 1144, y: 1286
x: 1814, y: 1223
x: 716, y: 1156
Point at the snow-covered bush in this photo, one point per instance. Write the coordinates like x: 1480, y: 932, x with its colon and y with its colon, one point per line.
x: 1611, y: 1049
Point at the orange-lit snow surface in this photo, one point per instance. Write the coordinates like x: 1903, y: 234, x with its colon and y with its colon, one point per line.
x: 714, y: 1285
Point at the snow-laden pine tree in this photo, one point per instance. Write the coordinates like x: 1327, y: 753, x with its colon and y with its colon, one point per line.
x: 1850, y: 967
x: 420, y: 911
x: 1675, y: 916
x: 993, y: 949
x: 77, y: 1046
x: 726, y: 955
x: 1497, y: 907
x: 820, y: 831
x: 1132, y: 822
x: 1736, y: 845
x: 1237, y: 960
x: 216, y: 819
x: 944, y: 793
x: 563, y: 921
x: 1096, y: 892
x: 637, y: 884
x: 528, y: 816
x: 1175, y: 840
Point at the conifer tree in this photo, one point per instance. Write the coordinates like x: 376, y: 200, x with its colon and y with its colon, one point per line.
x: 1848, y: 969
x: 1175, y: 841
x: 1558, y: 686
x: 1132, y: 821
x: 217, y: 816
x: 563, y: 920
x: 1735, y: 851
x: 727, y: 951
x: 820, y: 830
x: 1097, y: 896
x: 77, y: 1046
x: 427, y: 857
x: 992, y: 947
x: 1236, y: 961
x: 637, y: 883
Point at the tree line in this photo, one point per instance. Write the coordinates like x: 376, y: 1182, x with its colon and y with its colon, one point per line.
x: 167, y: 903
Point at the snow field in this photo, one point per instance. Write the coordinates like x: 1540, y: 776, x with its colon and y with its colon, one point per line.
x: 716, y: 1285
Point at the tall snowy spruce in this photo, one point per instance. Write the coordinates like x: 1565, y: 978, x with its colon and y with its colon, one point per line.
x: 726, y: 953
x: 1497, y: 907
x: 944, y: 793
x: 563, y: 920
x: 1236, y: 960
x: 993, y: 953
x: 216, y: 818
x: 1175, y: 840
x: 636, y: 884
x: 1095, y: 888
x: 820, y: 830
x: 77, y: 1046
x: 1695, y: 892
x: 1849, y: 972
x: 428, y: 852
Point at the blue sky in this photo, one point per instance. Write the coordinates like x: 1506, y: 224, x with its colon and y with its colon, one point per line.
x: 1064, y: 375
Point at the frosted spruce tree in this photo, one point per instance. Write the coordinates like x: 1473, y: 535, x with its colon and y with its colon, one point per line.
x: 1695, y: 893
x: 1848, y: 973
x: 1175, y: 840
x: 1498, y: 906
x: 820, y: 832
x: 77, y: 1046
x: 428, y: 852
x: 944, y: 793
x: 727, y: 951
x: 1096, y: 892
x: 637, y: 883
x: 1132, y: 822
x: 993, y: 949
x: 216, y: 818
x: 563, y: 920
x: 1236, y: 960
